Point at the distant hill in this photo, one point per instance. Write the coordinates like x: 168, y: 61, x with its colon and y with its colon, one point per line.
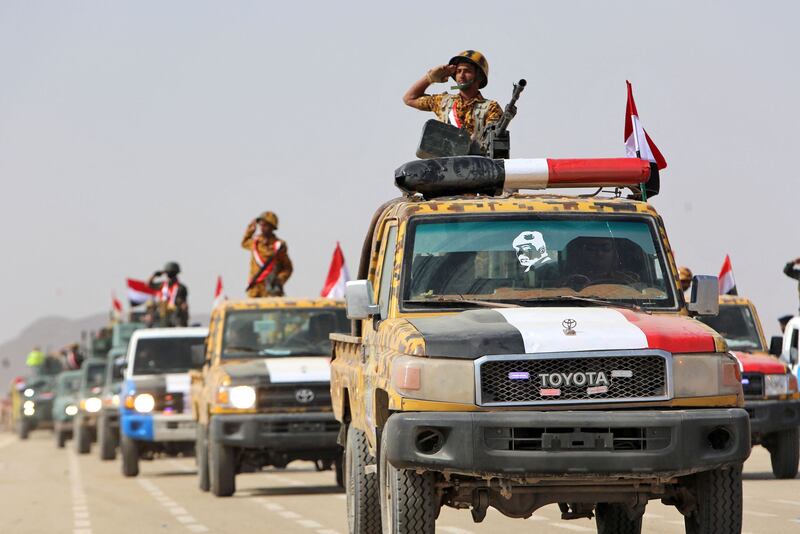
x: 49, y: 333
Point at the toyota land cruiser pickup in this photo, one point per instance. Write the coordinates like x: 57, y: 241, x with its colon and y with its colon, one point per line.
x: 770, y: 388
x: 262, y: 397
x: 515, y: 350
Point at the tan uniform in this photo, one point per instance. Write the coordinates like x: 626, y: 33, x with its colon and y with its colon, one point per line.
x: 281, y: 266
x: 442, y: 103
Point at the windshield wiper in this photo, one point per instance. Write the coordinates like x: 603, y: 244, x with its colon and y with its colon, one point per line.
x: 588, y: 300
x: 479, y: 303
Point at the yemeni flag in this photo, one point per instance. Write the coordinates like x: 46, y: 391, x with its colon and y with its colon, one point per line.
x: 637, y: 143
x: 727, y: 284
x: 337, y: 276
x: 116, y: 305
x: 140, y: 292
x: 219, y: 296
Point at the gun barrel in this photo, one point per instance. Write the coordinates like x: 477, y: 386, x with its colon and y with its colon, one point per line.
x: 506, y: 118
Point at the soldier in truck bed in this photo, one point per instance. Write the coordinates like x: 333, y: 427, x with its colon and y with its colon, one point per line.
x: 468, y: 109
x: 266, y: 248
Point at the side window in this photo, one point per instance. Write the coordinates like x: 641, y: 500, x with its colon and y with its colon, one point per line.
x: 793, y: 347
x: 386, y: 272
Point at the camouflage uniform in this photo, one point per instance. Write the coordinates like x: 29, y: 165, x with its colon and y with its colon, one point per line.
x: 281, y: 266
x: 442, y: 103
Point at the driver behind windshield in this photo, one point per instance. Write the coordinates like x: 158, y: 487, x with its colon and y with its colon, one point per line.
x: 595, y: 260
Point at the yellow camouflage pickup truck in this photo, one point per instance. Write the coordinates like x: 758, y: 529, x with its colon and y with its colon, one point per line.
x: 513, y: 350
x: 262, y: 396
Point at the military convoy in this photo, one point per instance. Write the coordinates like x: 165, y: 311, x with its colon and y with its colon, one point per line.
x: 65, y: 405
x: 84, y: 422
x: 511, y: 350
x: 262, y: 397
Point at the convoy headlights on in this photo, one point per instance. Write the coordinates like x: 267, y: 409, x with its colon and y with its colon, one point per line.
x: 71, y: 410
x: 93, y: 404
x: 144, y: 403
x: 776, y: 385
x: 28, y: 392
x: 242, y: 397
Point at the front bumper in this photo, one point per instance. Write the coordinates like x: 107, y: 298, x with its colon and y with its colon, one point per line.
x: 768, y: 416
x: 624, y: 444
x: 158, y: 427
x: 276, y: 432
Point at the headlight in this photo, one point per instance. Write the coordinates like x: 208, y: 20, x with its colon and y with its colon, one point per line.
x: 93, y: 404
x: 434, y: 379
x: 115, y: 400
x: 28, y: 392
x: 71, y: 410
x: 28, y: 405
x: 706, y: 375
x: 242, y: 397
x: 776, y: 385
x: 144, y: 403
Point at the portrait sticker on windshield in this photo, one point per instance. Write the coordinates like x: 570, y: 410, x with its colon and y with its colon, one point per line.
x: 531, y: 249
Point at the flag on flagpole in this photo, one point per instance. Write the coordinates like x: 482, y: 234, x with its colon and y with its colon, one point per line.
x: 140, y: 292
x: 219, y: 296
x: 337, y: 276
x: 637, y: 143
x: 727, y: 284
x: 116, y: 305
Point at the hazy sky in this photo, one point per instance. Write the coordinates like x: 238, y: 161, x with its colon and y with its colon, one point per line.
x: 132, y: 133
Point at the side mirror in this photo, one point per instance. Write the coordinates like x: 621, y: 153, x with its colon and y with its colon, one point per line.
x: 198, y: 355
x: 705, y: 295
x: 793, y: 356
x: 360, y: 300
x: 441, y: 140
x: 776, y: 345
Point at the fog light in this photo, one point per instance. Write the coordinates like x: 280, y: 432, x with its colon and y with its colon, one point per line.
x: 720, y: 438
x: 429, y: 441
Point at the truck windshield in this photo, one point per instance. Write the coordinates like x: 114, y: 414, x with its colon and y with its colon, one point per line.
x: 738, y: 326
x: 534, y: 258
x: 95, y: 376
x: 155, y: 356
x: 69, y: 384
x: 281, y: 332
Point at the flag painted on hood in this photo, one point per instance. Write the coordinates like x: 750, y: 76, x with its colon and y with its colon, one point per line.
x: 637, y: 143
x: 337, y: 276
x: 727, y: 284
x: 219, y: 295
x: 140, y: 292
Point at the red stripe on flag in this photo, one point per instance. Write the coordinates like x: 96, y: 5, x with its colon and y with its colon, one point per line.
x: 672, y: 334
x: 337, y: 274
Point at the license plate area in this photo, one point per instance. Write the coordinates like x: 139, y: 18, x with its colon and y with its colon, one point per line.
x: 577, y: 440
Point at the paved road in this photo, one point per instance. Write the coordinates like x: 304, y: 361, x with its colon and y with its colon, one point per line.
x: 47, y: 490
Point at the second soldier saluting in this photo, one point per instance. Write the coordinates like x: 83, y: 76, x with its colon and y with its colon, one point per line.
x: 270, y: 266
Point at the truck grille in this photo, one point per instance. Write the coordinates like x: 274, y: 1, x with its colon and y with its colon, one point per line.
x: 559, y: 378
x: 582, y: 439
x: 295, y: 396
x: 753, y: 384
x: 169, y: 403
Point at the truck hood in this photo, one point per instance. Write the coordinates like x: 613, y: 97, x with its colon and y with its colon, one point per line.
x: 760, y: 362
x: 280, y: 370
x: 476, y: 333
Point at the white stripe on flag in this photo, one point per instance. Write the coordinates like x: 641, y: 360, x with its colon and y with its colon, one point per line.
x: 542, y: 330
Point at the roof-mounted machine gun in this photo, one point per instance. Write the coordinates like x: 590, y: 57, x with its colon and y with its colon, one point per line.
x: 440, y: 139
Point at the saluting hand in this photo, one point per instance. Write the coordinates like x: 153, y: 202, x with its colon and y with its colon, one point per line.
x: 441, y: 73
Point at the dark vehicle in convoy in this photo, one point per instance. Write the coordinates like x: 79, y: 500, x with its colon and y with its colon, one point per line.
x: 263, y: 395
x: 84, y: 422
x: 34, y: 404
x: 770, y: 388
x: 514, y: 350
x: 155, y: 412
x: 108, y: 417
x: 65, y: 405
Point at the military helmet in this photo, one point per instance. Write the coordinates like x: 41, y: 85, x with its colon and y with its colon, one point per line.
x: 477, y: 59
x: 684, y: 274
x: 269, y: 218
x: 172, y: 267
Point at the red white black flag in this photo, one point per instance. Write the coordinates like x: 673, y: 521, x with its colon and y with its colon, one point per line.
x: 219, y: 296
x: 727, y: 284
x: 637, y: 143
x: 116, y: 306
x: 140, y: 292
x: 337, y: 276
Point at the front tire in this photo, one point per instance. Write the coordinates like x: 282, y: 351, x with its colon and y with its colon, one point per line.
x: 785, y: 453
x: 201, y: 449
x: 61, y: 438
x: 221, y: 469
x: 408, y: 499
x: 613, y: 519
x: 130, y: 456
x: 106, y: 440
x: 23, y: 429
x: 83, y: 444
x: 719, y: 502
x: 363, y: 495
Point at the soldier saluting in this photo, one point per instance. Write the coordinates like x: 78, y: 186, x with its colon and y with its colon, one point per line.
x: 468, y: 109
x: 270, y: 266
x: 172, y: 299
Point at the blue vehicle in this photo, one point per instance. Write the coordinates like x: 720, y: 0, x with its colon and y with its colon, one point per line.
x: 155, y: 413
